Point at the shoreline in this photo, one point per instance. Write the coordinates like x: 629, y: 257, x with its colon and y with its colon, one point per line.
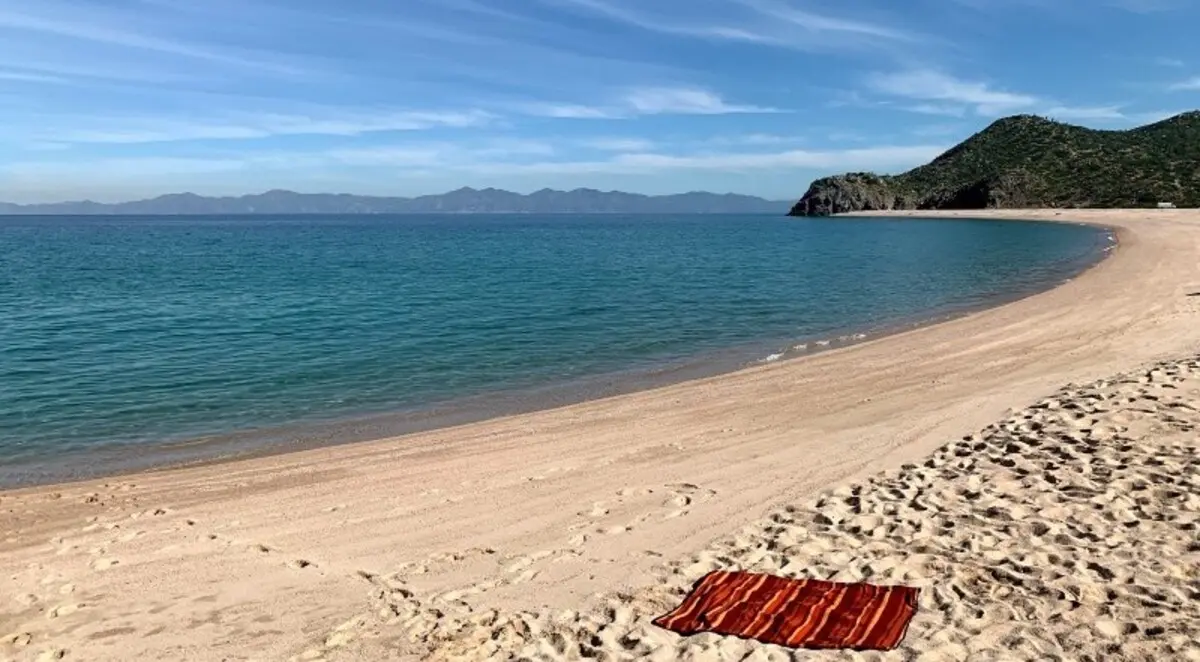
x: 320, y: 554
x: 110, y: 461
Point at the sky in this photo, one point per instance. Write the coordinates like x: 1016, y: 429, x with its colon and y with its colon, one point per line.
x: 123, y: 99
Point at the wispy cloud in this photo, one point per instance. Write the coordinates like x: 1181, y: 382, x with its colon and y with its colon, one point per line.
x: 1189, y: 85
x: 759, y: 139
x: 619, y: 144
x: 30, y: 77
x: 685, y: 101
x: 568, y: 111
x: 443, y: 155
x: 644, y: 101
x: 931, y: 85
x: 1152, y: 116
x: 452, y: 162
x: 55, y: 19
x: 948, y: 110
x: 941, y: 94
x: 813, y: 22
x: 1148, y: 6
x: 388, y: 156
x: 877, y: 158
x: 411, y: 159
x: 1065, y: 8
x: 1171, y: 62
x: 33, y: 66
x: 121, y: 168
x: 726, y: 140
x: 1085, y: 113
x: 244, y: 126
x: 768, y: 22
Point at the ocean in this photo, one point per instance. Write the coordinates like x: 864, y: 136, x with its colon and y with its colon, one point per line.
x: 133, y: 342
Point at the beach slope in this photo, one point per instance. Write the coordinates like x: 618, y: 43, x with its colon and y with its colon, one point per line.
x: 561, y: 533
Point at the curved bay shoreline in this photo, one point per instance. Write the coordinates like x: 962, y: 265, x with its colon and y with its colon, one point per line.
x: 27, y: 467
x: 575, y: 525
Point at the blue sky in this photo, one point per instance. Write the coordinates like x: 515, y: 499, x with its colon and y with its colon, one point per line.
x: 120, y: 99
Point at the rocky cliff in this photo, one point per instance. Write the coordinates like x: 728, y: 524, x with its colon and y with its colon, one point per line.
x: 856, y: 191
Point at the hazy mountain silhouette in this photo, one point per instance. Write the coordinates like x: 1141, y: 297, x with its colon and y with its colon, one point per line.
x: 461, y: 201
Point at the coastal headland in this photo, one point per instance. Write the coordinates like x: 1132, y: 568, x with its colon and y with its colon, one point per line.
x: 1033, y: 466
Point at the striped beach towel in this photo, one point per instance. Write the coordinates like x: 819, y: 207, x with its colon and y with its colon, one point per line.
x: 798, y: 613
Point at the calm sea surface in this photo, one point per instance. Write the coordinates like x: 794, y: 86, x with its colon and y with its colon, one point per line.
x: 123, y: 338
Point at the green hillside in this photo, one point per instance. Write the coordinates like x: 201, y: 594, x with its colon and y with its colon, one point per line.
x: 1028, y: 161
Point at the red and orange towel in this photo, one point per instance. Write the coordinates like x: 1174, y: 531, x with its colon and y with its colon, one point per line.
x: 798, y: 613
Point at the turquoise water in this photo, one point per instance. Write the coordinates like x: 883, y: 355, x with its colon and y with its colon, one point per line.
x: 120, y: 335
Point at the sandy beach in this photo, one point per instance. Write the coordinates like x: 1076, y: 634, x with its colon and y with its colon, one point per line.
x: 1035, y: 468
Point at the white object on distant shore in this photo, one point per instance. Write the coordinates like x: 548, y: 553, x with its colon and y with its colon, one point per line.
x: 1166, y: 205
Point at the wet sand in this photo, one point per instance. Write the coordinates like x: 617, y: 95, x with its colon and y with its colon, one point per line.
x: 559, y: 534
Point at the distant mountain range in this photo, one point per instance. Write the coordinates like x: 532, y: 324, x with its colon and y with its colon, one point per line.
x: 461, y: 201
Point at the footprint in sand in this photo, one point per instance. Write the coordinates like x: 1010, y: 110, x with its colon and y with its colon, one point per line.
x: 522, y: 566
x: 131, y: 536
x: 64, y: 610
x: 157, y: 512
x: 578, y: 540
x: 684, y: 495
x: 527, y: 576
x: 104, y: 564
x: 680, y: 500
x: 64, y: 547
x: 598, y: 510
x: 52, y: 578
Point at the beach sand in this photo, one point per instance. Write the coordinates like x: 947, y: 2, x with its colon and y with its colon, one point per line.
x: 1064, y: 531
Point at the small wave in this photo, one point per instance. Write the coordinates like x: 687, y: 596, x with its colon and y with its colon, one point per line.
x: 773, y: 357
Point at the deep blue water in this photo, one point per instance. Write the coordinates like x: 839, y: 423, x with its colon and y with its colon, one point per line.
x: 119, y: 334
